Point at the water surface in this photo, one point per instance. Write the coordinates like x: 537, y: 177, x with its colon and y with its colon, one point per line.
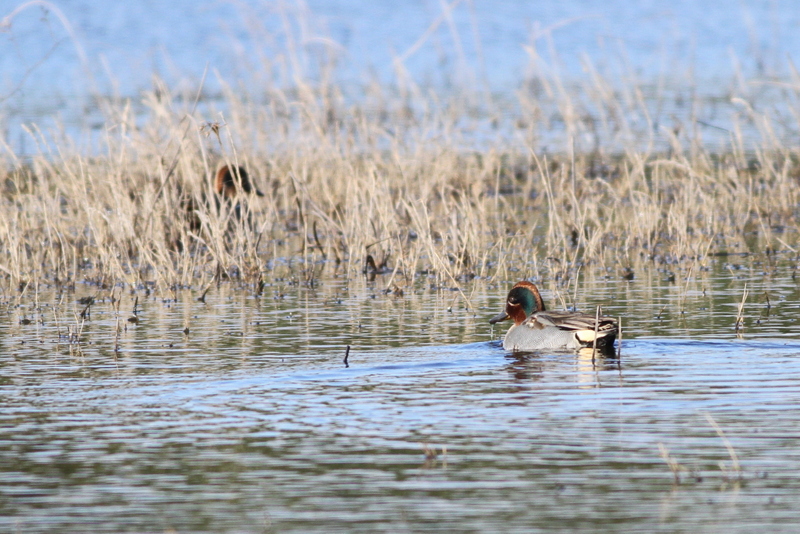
x: 688, y: 59
x: 251, y: 422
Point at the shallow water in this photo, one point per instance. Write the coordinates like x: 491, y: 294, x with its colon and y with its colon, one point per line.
x: 252, y: 422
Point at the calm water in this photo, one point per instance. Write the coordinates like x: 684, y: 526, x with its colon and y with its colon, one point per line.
x: 252, y: 423
x: 55, y: 60
x: 121, y: 45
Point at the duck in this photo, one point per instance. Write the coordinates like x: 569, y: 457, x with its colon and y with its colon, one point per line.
x: 230, y: 179
x: 535, y: 328
x: 232, y: 186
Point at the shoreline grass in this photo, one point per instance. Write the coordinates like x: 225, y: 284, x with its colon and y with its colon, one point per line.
x: 393, y: 176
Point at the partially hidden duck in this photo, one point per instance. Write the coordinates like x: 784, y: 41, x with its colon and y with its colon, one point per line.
x: 230, y: 179
x: 537, y: 329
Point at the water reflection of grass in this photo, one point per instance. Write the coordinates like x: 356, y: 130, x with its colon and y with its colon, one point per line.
x: 732, y: 476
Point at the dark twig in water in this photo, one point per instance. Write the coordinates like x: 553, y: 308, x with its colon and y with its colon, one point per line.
x: 202, y: 297
x: 369, y: 265
x: 346, y: 355
x: 259, y: 285
x: 116, y: 339
x: 86, y: 311
x: 317, y: 242
x: 594, y: 341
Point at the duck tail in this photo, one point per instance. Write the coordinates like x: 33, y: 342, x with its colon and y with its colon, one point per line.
x: 606, y: 333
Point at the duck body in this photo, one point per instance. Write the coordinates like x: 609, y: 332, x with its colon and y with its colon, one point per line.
x: 535, y: 328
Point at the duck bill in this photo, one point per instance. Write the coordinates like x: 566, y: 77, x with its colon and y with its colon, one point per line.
x: 502, y: 316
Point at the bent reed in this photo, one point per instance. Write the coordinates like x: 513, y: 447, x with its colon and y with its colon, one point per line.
x: 567, y: 177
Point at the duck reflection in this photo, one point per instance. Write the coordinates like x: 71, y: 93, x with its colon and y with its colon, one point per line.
x: 584, y: 364
x: 525, y: 366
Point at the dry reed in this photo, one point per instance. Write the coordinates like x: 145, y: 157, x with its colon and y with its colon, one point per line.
x: 388, y: 174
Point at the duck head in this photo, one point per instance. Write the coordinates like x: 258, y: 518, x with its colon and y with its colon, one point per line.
x: 523, y: 301
x: 228, y: 180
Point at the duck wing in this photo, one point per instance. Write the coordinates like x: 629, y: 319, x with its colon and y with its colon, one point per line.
x: 572, y: 321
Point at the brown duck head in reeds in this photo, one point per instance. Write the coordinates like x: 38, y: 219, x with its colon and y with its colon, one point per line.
x: 232, y: 179
x: 230, y: 183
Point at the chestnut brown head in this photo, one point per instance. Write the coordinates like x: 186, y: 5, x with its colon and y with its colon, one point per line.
x: 523, y: 301
x: 230, y: 178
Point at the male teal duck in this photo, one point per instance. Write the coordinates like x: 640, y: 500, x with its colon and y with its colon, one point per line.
x: 537, y: 329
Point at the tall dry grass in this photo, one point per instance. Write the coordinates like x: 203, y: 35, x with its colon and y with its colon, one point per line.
x: 447, y: 187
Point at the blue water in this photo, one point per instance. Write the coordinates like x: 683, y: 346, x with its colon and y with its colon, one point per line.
x: 54, y: 57
x: 125, y: 43
x: 252, y: 422
x: 461, y: 438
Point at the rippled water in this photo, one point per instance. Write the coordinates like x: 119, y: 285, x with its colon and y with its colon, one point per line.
x: 251, y: 422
